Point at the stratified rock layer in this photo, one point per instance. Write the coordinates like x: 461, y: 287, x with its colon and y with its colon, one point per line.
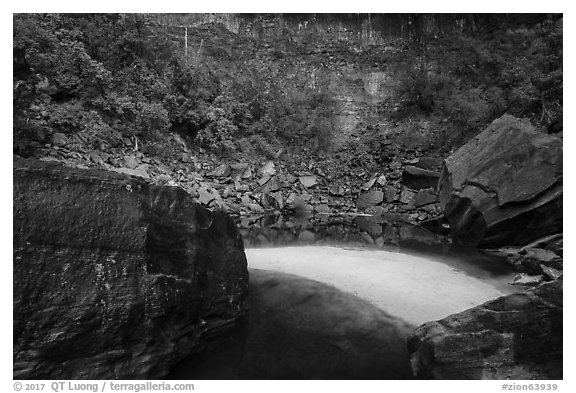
x: 504, y: 187
x: 115, y: 278
x: 518, y: 336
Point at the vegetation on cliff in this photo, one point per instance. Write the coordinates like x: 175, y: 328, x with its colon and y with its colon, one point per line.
x: 119, y: 76
x: 470, y: 77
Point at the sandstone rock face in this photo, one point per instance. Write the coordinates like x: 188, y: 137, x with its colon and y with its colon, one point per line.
x: 518, y: 336
x: 504, y: 187
x: 115, y: 278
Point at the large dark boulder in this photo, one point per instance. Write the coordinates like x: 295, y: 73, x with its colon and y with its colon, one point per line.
x: 115, y: 278
x: 518, y: 336
x: 504, y: 187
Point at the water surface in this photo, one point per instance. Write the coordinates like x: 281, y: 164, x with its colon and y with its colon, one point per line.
x: 336, y: 297
x: 303, y: 329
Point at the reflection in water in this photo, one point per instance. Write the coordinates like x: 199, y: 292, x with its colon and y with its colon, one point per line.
x: 303, y: 329
x: 388, y: 233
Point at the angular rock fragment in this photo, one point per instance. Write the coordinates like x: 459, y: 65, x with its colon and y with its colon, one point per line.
x: 256, y: 208
x: 429, y: 163
x: 371, y: 198
x: 369, y: 184
x: 406, y: 196
x: 247, y: 174
x: 221, y: 171
x: 504, y: 187
x: 297, y: 204
x: 290, y: 178
x: 424, y: 197
x: 264, y: 179
x: 391, y: 194
x: 131, y: 162
x: 527, y: 279
x: 205, y: 196
x: 133, y: 172
x: 381, y: 180
x: 417, y: 178
x: 246, y: 200
x: 532, y: 259
x: 270, y: 185
x: 279, y: 199
x: 268, y: 168
x: 308, y: 180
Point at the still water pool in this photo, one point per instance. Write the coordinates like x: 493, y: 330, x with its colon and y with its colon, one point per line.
x: 337, y: 299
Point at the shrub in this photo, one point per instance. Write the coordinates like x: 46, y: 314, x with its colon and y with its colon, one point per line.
x: 470, y: 78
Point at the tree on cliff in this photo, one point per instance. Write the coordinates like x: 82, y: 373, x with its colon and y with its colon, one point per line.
x: 120, y: 75
x: 469, y: 69
x: 108, y: 73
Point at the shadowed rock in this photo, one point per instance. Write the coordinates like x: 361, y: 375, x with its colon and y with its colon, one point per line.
x: 115, y: 278
x: 518, y: 336
x: 504, y: 187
